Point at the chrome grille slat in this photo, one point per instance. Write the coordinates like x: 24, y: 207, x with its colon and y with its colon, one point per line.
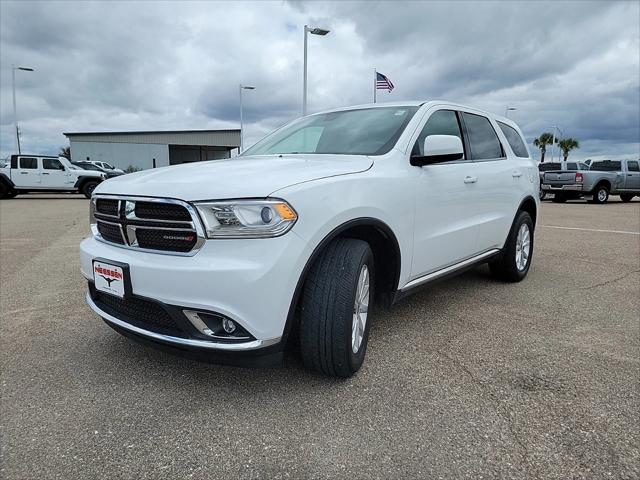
x: 182, y: 237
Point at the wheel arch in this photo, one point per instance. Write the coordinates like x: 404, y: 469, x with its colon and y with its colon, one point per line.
x: 386, y: 254
x: 530, y: 206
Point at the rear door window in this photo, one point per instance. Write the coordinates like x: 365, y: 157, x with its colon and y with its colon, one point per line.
x: 606, y: 166
x: 633, y: 167
x: 483, y: 140
x: 515, y: 140
x: 29, y: 163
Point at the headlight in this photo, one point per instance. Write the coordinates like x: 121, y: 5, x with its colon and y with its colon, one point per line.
x: 246, y: 218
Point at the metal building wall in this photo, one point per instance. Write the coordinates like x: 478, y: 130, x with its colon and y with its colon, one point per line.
x: 121, y: 155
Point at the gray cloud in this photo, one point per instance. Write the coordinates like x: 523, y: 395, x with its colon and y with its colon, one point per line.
x: 143, y: 65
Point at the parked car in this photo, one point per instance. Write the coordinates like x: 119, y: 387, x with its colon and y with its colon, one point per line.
x: 25, y: 173
x: 552, y: 166
x: 297, y: 237
x: 91, y: 166
x: 107, y: 167
x: 596, y: 183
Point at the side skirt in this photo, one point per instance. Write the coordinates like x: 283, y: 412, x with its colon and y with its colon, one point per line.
x: 445, y: 273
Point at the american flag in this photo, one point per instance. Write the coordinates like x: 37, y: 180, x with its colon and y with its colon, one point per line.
x: 383, y: 83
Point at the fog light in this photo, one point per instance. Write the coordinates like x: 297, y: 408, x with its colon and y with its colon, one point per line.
x: 228, y: 325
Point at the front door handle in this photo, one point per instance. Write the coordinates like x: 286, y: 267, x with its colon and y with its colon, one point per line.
x: 45, y: 173
x: 468, y: 179
x: 516, y: 174
x: 24, y: 173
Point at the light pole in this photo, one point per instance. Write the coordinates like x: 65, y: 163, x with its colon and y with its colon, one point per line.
x: 313, y: 31
x: 507, y: 110
x: 553, y: 141
x: 15, y: 114
x: 241, y: 88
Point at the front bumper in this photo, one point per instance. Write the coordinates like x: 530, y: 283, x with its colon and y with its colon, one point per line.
x: 561, y: 188
x: 250, y: 281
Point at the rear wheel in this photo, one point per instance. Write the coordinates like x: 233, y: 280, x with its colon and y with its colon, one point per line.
x: 625, y: 197
x: 514, y: 263
x: 601, y: 194
x: 88, y: 188
x: 334, y: 323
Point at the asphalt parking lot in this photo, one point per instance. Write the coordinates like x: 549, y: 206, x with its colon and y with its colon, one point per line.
x: 469, y: 379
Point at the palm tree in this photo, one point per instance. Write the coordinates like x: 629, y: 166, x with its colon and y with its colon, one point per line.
x: 541, y: 142
x: 65, y: 152
x: 566, y: 145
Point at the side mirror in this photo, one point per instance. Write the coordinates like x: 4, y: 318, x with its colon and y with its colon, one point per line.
x: 438, y: 149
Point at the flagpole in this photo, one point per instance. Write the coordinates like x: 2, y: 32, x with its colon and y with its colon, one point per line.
x: 375, y: 82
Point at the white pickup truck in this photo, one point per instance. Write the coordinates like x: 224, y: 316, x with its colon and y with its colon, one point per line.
x: 37, y: 173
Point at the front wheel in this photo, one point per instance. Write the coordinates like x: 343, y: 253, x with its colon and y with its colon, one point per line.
x: 335, y: 306
x: 515, y: 261
x: 542, y: 194
x: 88, y: 188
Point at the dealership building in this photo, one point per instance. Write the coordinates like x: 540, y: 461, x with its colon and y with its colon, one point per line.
x: 144, y: 150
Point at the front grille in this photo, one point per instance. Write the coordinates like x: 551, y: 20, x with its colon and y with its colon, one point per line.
x: 166, y: 240
x: 137, y: 311
x: 164, y: 225
x: 162, y: 211
x: 107, y: 206
x: 110, y: 232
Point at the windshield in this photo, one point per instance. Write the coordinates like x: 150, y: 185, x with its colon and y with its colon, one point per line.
x: 369, y: 131
x: 88, y: 166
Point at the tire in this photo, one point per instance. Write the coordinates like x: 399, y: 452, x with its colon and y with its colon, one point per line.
x: 558, y: 198
x: 11, y: 193
x: 507, y: 267
x: 542, y: 194
x: 328, y: 306
x: 625, y: 197
x: 88, y: 188
x: 4, y: 190
x: 600, y: 194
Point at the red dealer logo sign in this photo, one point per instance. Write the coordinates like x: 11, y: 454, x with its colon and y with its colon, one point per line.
x: 108, y: 272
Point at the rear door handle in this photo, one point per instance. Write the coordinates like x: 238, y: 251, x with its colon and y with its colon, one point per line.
x: 45, y: 173
x: 24, y: 173
x: 468, y: 179
x: 516, y: 174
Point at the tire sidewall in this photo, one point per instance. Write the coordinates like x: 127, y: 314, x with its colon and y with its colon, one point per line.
x: 356, y: 359
x: 596, y: 197
x: 88, y: 188
x: 523, y: 218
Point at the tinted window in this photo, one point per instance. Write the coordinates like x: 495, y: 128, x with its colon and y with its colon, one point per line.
x: 606, y: 166
x: 633, y: 167
x: 88, y: 166
x: 31, y: 163
x: 442, y: 122
x: 483, y: 140
x: 583, y: 166
x: 368, y: 131
x: 515, y: 140
x: 51, y: 164
x: 545, y: 167
x: 572, y: 166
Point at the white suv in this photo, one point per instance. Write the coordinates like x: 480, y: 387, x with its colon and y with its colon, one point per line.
x: 294, y: 239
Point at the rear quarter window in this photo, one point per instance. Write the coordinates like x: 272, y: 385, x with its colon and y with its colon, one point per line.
x: 515, y: 140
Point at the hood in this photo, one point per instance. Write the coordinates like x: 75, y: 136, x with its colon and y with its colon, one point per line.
x: 239, y: 177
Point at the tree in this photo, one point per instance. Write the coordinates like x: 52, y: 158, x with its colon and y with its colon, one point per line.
x: 566, y: 145
x: 65, y: 152
x: 541, y: 142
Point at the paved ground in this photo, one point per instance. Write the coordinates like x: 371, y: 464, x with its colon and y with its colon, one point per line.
x: 469, y: 379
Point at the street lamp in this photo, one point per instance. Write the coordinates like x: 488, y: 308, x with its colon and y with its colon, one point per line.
x: 240, y: 89
x: 314, y: 31
x: 15, y: 114
x: 507, y: 110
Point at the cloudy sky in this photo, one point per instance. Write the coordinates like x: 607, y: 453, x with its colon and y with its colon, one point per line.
x: 104, y: 66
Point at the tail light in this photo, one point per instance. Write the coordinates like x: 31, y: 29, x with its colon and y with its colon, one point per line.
x: 578, y: 177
